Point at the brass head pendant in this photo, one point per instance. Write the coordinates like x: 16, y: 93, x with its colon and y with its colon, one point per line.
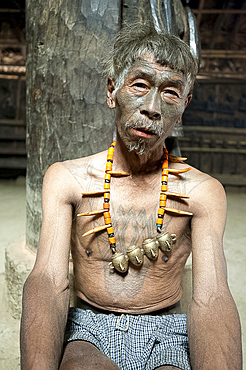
x: 150, y: 247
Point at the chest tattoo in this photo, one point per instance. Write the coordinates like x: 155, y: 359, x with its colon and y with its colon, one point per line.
x: 150, y: 247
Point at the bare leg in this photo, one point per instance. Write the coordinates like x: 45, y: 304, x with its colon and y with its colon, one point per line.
x: 81, y: 355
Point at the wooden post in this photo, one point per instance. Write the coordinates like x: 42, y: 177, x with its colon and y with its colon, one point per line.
x: 67, y: 115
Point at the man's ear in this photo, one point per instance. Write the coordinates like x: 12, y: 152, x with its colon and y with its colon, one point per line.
x: 179, y: 119
x: 111, y: 93
x: 188, y: 100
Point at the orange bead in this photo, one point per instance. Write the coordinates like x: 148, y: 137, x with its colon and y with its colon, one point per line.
x: 106, y: 196
x: 107, y: 221
x: 108, y: 166
x: 164, y: 164
x: 107, y: 176
x: 110, y: 155
x: 107, y: 218
x: 161, y: 211
x: 163, y: 187
x: 163, y: 203
x: 106, y: 206
x: 107, y: 185
x: 111, y: 240
x: 110, y: 230
x: 111, y: 151
x: 163, y: 197
x: 159, y: 221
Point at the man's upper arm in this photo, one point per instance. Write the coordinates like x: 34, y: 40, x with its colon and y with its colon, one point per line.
x: 46, y: 293
x: 207, y: 227
x: 57, y: 206
x: 213, y: 322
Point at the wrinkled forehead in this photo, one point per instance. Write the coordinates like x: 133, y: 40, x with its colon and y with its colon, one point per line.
x: 149, y: 61
x: 146, y: 66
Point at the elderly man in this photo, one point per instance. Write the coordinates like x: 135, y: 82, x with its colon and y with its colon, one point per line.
x: 141, y: 213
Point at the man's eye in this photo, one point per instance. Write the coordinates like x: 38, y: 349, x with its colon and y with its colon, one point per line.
x: 172, y: 92
x: 140, y: 85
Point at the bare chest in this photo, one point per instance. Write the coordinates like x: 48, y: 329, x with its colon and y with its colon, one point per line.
x: 133, y: 217
x: 133, y: 212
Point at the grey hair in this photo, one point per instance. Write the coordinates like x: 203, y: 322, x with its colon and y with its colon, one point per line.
x: 134, y: 41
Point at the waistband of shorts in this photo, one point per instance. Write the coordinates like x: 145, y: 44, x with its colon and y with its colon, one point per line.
x: 173, y: 309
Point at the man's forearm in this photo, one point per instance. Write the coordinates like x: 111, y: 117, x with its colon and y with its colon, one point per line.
x: 44, y: 315
x: 215, y: 334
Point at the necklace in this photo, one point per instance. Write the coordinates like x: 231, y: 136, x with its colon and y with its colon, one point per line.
x: 150, y: 247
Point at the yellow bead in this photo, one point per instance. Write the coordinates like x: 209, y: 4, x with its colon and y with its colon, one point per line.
x: 108, y: 166
x: 107, y: 176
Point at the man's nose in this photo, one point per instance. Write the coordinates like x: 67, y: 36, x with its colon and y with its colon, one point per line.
x: 152, y: 106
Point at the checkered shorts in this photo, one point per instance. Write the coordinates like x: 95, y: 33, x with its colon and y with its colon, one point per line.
x: 133, y: 342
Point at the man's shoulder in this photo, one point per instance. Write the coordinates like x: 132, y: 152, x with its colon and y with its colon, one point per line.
x: 83, y: 162
x: 205, y: 179
x: 81, y: 170
x: 204, y: 188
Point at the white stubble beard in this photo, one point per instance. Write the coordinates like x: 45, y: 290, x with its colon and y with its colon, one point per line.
x: 142, y: 144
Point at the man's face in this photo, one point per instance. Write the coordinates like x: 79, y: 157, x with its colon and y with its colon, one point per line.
x: 149, y: 104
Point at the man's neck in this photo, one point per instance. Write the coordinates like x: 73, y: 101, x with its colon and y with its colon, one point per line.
x: 133, y: 162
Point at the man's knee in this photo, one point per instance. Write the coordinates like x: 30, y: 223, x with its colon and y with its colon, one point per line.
x: 70, y: 365
x: 74, y: 365
x: 81, y: 355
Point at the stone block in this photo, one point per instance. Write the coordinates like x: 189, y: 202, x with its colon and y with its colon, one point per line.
x: 19, y: 261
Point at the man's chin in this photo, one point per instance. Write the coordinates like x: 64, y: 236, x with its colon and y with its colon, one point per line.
x: 140, y: 147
